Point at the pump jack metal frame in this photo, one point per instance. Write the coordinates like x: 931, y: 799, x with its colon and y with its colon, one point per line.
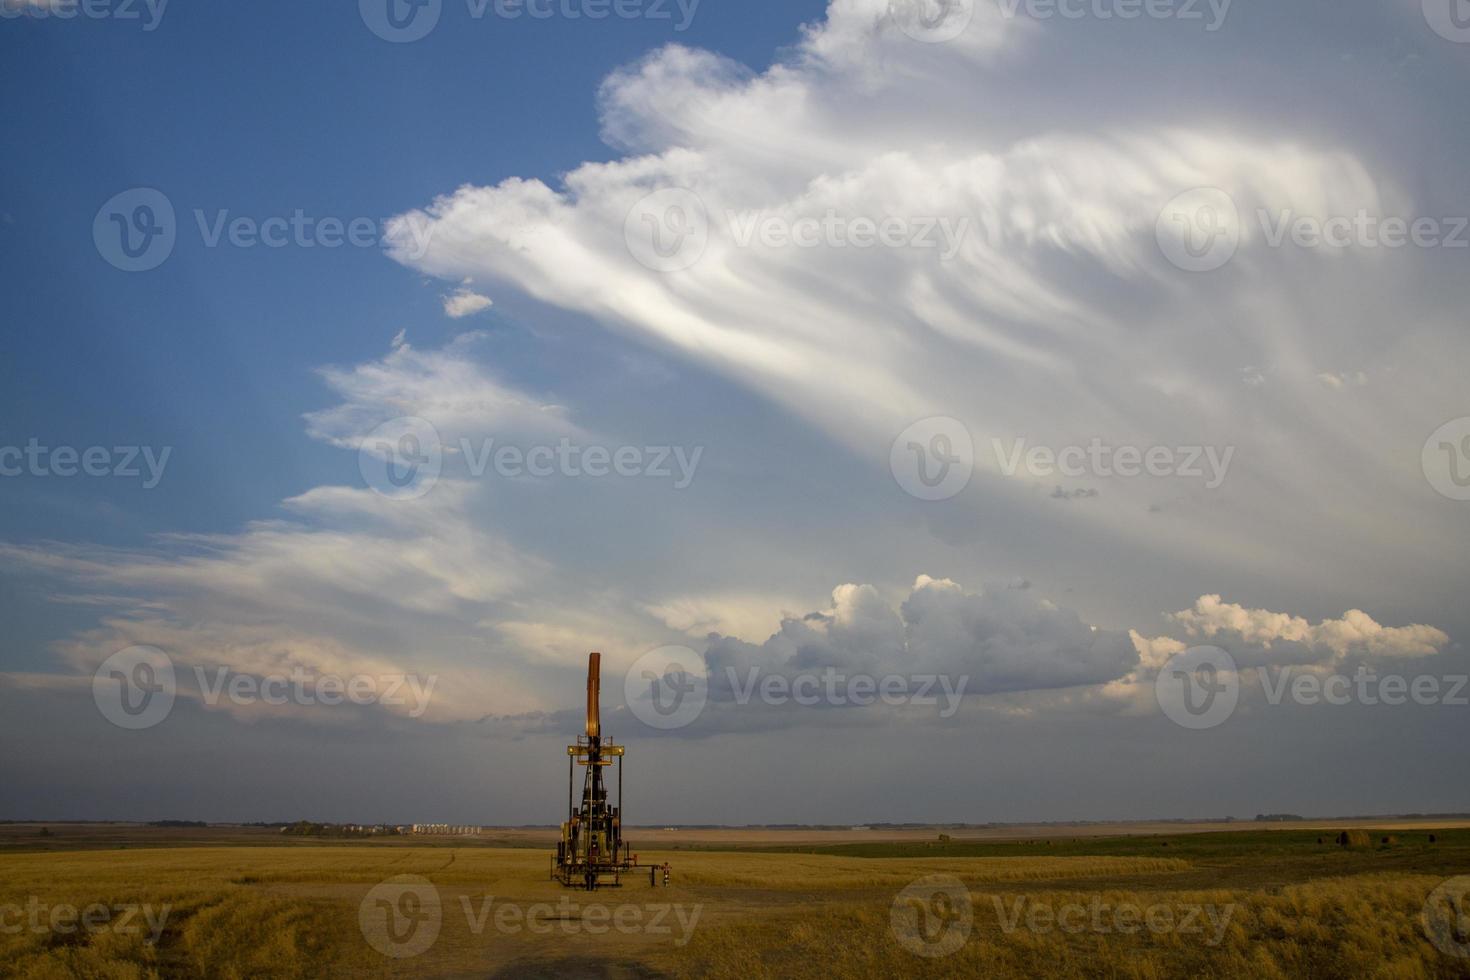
x: 591, y: 853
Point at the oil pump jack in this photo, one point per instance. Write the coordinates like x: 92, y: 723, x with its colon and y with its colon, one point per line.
x: 591, y: 853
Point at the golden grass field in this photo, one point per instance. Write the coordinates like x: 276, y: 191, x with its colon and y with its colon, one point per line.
x: 1265, y: 903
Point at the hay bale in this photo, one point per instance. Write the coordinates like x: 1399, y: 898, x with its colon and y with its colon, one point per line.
x: 1432, y: 838
x: 1389, y: 839
x: 1354, y: 838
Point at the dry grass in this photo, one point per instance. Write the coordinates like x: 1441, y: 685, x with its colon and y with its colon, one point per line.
x: 806, y: 872
x: 292, y: 912
x: 1360, y: 927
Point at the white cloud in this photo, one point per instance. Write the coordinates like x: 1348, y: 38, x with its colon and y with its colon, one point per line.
x: 465, y: 302
x: 730, y: 613
x: 449, y: 387
x: 1001, y: 640
x: 1354, y: 634
x: 1058, y: 320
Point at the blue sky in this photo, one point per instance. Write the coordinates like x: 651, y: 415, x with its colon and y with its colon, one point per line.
x: 224, y: 107
x: 1037, y: 170
x: 215, y: 353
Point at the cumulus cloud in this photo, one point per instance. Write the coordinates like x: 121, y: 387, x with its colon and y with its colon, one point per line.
x: 463, y: 302
x: 1000, y: 639
x: 1354, y: 634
